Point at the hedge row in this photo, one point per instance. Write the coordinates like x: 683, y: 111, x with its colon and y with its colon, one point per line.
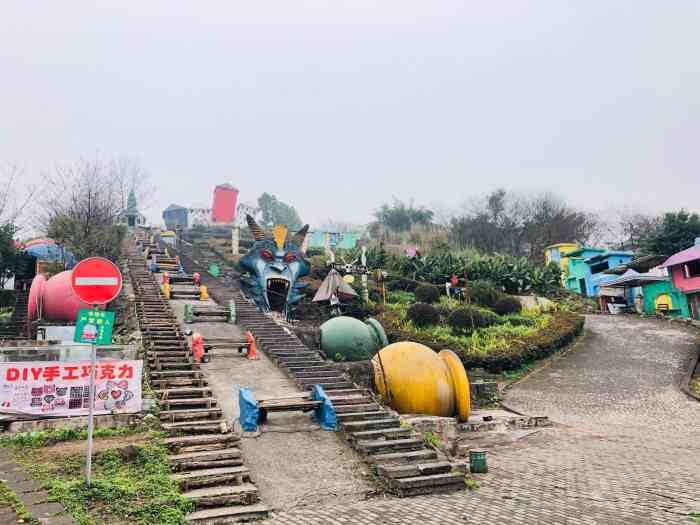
x: 561, y: 329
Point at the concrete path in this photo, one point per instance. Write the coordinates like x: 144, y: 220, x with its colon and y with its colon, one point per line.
x: 293, y: 463
x: 626, y: 451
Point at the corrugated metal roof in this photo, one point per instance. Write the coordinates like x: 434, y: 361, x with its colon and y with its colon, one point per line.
x: 639, y: 264
x: 632, y: 279
x: 691, y: 254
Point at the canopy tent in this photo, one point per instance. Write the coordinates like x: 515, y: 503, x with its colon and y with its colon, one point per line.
x: 334, y: 284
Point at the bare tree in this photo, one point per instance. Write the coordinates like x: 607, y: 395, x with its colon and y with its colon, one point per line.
x: 520, y: 225
x: 80, y: 206
x: 130, y: 177
x: 14, y: 199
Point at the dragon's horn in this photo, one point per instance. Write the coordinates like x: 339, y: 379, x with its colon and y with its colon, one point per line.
x: 257, y: 231
x: 299, y: 236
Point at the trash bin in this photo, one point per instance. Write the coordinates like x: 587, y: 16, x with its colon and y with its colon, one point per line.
x: 477, y: 461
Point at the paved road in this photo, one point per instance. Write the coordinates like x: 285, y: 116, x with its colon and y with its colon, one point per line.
x: 626, y: 449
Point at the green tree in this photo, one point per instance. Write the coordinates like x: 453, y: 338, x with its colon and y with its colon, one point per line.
x: 11, y: 259
x: 274, y: 211
x: 399, y: 216
x: 675, y: 232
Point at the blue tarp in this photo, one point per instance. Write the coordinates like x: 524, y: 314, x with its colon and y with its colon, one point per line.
x: 53, y: 253
x: 249, y: 410
x: 324, y: 414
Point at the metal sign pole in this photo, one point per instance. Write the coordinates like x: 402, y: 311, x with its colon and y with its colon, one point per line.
x: 91, y: 416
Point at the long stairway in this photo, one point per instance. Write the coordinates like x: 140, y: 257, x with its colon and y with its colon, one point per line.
x: 404, y: 463
x: 204, y: 449
x: 16, y: 327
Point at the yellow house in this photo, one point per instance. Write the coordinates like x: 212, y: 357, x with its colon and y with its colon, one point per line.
x: 556, y: 253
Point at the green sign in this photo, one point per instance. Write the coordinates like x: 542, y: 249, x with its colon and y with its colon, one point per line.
x: 94, y: 327
x: 214, y: 270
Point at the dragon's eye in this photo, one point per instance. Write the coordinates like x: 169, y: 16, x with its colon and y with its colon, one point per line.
x: 266, y: 254
x: 290, y: 257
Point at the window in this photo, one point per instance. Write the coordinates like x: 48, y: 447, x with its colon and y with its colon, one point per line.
x: 692, y: 269
x: 600, y: 267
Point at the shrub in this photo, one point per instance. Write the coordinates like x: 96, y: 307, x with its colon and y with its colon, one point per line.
x: 483, y: 293
x: 423, y: 314
x: 562, y: 328
x: 506, y: 305
x: 401, y: 283
x: 521, y: 320
x: 465, y: 320
x: 427, y: 293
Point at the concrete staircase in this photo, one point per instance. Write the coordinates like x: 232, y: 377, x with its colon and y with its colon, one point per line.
x: 404, y: 463
x: 204, y: 451
x: 16, y: 327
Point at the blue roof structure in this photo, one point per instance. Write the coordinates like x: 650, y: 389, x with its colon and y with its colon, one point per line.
x: 52, y: 253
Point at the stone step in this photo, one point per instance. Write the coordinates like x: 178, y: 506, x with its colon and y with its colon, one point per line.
x: 198, y: 427
x: 341, y: 408
x: 437, y: 483
x: 225, y: 515
x: 370, y: 424
x: 404, y: 458
x: 317, y: 375
x: 328, y: 387
x: 184, y: 391
x: 155, y: 374
x: 380, y: 446
x: 348, y: 392
x: 348, y: 401
x: 177, y: 443
x: 382, y: 433
x: 176, y: 382
x: 189, y: 414
x: 208, y: 402
x: 361, y: 416
x: 244, y: 494
x: 212, y: 476
x: 206, y: 459
x: 416, y: 469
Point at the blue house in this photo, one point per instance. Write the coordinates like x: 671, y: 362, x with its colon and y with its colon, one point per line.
x: 586, y: 267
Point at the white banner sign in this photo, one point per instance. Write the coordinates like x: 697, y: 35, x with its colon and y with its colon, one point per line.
x: 52, y: 388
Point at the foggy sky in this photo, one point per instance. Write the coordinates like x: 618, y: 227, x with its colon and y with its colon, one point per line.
x: 335, y: 107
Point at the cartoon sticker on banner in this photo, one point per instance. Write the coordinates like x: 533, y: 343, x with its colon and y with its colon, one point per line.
x: 115, y: 395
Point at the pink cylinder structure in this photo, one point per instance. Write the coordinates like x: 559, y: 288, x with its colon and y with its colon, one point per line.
x: 223, y: 209
x: 53, y: 299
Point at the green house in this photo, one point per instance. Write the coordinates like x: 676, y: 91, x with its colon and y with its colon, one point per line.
x: 662, y: 297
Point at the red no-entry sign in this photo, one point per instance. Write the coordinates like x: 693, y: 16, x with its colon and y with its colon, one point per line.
x: 96, y: 280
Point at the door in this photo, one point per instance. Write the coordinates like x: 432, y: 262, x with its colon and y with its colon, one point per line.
x: 582, y: 287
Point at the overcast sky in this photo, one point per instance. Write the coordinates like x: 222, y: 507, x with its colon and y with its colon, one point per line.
x: 337, y: 106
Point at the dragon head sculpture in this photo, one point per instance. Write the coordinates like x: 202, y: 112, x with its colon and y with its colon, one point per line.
x: 274, y: 265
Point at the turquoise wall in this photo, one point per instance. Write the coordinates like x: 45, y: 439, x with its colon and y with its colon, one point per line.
x: 653, y: 290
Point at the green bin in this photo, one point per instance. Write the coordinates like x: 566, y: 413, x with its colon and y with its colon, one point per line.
x: 477, y: 461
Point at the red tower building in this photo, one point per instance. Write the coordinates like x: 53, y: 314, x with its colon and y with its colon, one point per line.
x: 223, y: 209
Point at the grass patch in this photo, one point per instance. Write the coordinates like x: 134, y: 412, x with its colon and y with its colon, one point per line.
x: 127, y: 489
x: 9, y: 499
x: 44, y: 438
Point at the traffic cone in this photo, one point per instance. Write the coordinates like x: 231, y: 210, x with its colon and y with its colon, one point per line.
x: 197, y: 347
x: 252, y: 352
